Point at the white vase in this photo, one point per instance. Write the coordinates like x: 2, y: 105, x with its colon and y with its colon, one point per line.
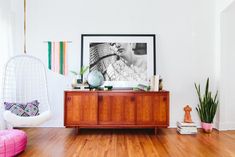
x: 74, y: 82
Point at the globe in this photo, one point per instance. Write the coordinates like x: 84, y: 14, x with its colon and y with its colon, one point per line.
x: 95, y: 78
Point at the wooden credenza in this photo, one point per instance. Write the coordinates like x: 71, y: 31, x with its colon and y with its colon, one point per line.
x: 116, y: 109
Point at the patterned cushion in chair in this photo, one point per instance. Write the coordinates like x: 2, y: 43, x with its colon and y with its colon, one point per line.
x: 25, y: 110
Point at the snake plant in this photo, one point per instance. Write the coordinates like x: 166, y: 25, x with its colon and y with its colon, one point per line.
x: 207, y: 103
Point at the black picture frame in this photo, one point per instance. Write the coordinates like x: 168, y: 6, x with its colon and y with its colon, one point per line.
x: 153, y: 36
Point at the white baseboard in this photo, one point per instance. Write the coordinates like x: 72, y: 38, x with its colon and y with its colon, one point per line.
x: 216, y: 125
x: 226, y: 126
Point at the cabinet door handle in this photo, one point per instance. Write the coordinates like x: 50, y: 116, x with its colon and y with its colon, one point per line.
x: 68, y: 98
x: 164, y: 99
x: 100, y: 98
x: 132, y: 98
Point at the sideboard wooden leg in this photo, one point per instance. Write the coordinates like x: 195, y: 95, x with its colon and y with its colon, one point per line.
x: 156, y: 130
x: 77, y: 130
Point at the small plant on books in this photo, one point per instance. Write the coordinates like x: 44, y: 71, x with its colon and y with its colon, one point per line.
x: 207, y: 106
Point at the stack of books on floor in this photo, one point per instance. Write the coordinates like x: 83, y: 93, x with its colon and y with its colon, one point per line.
x: 186, y: 128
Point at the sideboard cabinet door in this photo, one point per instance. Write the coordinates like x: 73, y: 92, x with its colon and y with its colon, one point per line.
x: 116, y: 108
x: 161, y: 110
x: 81, y: 108
x: 152, y: 109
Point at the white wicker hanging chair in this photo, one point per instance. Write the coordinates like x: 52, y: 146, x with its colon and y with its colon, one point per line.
x: 24, y: 81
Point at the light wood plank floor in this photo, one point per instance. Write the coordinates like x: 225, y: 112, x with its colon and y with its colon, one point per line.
x: 64, y: 142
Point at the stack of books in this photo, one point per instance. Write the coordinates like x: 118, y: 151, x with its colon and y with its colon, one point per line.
x: 186, y: 128
x: 82, y: 87
x: 143, y: 87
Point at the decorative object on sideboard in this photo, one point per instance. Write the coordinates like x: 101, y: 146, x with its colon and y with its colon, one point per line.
x: 108, y: 87
x: 154, y: 83
x: 77, y: 81
x: 95, y: 79
x: 160, y: 84
x: 207, y: 107
x: 143, y: 87
x: 187, y: 115
x: 125, y: 60
x: 83, y: 70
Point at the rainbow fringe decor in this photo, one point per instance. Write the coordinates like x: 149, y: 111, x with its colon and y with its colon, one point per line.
x: 57, y: 57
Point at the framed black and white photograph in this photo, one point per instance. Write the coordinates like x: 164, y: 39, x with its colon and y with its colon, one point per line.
x: 124, y: 60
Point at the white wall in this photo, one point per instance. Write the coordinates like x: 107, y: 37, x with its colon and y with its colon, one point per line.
x: 227, y: 70
x: 221, y: 118
x: 184, y: 29
x: 5, y: 44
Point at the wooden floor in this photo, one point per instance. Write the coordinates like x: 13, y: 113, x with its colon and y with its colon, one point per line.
x: 61, y: 142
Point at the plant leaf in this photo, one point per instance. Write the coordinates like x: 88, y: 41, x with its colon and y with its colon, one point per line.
x: 83, y: 69
x: 74, y: 72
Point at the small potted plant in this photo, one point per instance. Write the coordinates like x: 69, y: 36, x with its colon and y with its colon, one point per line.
x: 207, y: 107
x: 77, y: 79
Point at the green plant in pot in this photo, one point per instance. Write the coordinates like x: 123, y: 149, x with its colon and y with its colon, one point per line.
x: 207, y: 107
x: 77, y: 79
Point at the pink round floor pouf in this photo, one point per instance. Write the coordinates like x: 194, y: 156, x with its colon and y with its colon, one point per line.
x: 12, y: 142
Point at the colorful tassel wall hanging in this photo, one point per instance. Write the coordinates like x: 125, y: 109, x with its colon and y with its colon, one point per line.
x: 57, y: 57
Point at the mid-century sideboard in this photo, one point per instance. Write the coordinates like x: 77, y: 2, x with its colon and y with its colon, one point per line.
x: 116, y: 109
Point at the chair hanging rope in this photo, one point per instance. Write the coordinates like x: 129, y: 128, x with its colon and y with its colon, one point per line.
x: 25, y: 26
